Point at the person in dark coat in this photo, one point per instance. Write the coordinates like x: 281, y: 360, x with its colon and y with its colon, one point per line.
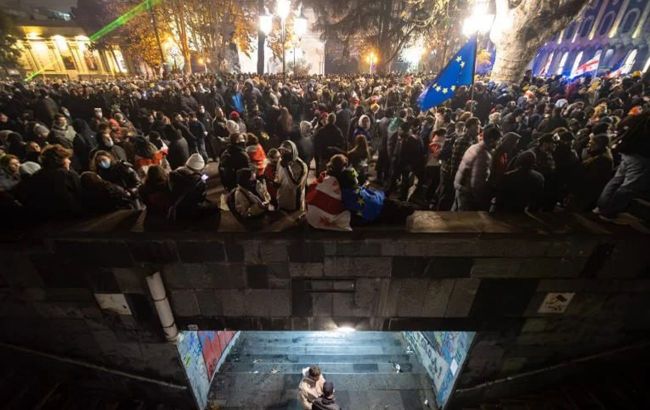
x: 156, y: 193
x: 328, y: 141
x: 344, y: 118
x: 233, y: 159
x: 591, y: 176
x: 55, y: 190
x: 117, y: 172
x: 199, y: 132
x: 327, y: 401
x: 100, y: 196
x: 105, y: 143
x: 189, y: 190
x: 521, y: 188
x: 83, y: 143
x: 179, y: 151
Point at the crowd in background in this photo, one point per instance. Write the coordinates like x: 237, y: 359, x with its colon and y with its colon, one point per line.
x: 348, y: 150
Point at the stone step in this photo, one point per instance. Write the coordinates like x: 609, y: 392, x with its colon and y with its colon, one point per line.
x: 348, y: 400
x: 305, y: 336
x: 319, y: 358
x: 234, y: 382
x: 320, y: 350
x: 327, y: 368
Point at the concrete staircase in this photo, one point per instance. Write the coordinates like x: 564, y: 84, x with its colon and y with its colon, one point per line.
x: 264, y: 369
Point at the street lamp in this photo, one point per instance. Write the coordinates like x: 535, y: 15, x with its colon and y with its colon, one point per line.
x: 479, y: 22
x: 282, y: 9
x: 299, y: 29
x: 372, y: 60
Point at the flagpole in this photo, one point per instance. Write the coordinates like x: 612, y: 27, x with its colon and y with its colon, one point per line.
x: 474, y: 70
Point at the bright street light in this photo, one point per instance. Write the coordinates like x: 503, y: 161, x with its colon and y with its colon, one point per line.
x: 300, y: 26
x: 283, y: 8
x: 480, y: 21
x: 266, y: 24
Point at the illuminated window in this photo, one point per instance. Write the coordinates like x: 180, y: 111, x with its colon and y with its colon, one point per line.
x: 560, y: 66
x: 606, y: 23
x: 629, y: 62
x: 586, y: 26
x: 570, y: 31
x: 629, y: 21
x: 576, y: 63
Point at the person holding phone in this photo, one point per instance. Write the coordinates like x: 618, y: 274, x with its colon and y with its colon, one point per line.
x: 189, y: 190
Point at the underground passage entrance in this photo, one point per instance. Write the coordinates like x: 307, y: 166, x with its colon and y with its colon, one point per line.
x: 369, y: 370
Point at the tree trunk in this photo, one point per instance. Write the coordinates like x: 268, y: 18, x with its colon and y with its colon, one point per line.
x: 512, y: 57
x: 261, y: 39
x: 518, y: 32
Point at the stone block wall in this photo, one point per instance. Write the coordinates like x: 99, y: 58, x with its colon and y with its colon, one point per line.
x: 444, y: 271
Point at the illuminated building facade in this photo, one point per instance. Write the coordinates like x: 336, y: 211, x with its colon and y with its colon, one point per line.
x: 617, y: 32
x: 59, y: 49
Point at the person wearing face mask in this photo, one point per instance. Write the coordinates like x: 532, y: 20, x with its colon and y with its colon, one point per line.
x: 112, y: 170
x: 105, y: 143
x: 233, y: 159
x: 291, y: 178
x: 54, y: 190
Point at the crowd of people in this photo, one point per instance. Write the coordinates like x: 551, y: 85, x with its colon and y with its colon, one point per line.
x: 348, y: 150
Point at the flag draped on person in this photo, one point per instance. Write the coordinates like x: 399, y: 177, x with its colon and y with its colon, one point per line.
x: 458, y: 71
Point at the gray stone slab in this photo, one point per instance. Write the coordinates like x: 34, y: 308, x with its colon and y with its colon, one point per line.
x: 184, y: 303
x: 355, y: 267
x: 462, y: 297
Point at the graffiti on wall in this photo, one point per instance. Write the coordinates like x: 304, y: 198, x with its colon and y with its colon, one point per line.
x: 442, y: 354
x: 213, y: 345
x: 189, y: 348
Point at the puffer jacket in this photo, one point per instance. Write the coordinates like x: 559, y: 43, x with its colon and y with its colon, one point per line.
x: 291, y: 178
x: 473, y: 172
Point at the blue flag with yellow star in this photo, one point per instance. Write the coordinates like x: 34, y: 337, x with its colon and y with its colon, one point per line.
x: 459, y: 71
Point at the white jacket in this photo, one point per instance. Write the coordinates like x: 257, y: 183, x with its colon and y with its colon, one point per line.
x: 292, y: 179
x: 474, y: 171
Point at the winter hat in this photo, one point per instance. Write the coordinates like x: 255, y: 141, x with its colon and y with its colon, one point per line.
x: 29, y: 168
x: 232, y: 127
x: 234, y: 115
x: 328, y: 389
x: 195, y: 162
x: 561, y: 103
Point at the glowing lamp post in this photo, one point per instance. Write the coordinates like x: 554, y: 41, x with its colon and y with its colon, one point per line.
x: 478, y: 23
x: 372, y: 60
x: 299, y: 29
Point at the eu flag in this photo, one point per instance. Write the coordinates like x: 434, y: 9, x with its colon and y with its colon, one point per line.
x: 459, y: 71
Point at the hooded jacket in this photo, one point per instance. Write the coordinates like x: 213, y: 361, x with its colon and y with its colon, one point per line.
x: 292, y: 178
x: 310, y: 390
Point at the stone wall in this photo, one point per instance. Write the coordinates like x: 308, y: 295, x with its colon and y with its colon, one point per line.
x: 444, y: 271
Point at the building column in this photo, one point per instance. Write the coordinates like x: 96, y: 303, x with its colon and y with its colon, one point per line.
x: 644, y: 17
x: 619, y: 17
x: 598, y: 19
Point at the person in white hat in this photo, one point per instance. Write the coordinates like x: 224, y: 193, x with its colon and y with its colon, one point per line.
x: 189, y: 189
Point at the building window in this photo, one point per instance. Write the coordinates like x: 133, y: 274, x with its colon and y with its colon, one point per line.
x: 608, y: 56
x: 576, y: 63
x: 629, y: 62
x: 586, y: 26
x: 629, y: 21
x: 607, y: 23
x: 560, y: 66
x: 570, y: 31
